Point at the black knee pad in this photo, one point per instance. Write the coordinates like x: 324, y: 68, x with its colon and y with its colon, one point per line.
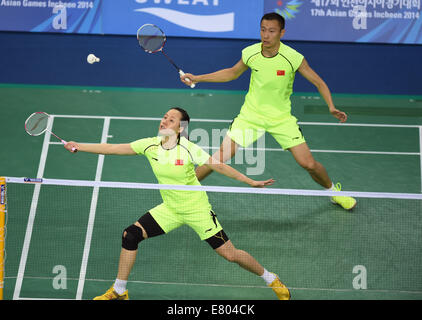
x: 132, y: 238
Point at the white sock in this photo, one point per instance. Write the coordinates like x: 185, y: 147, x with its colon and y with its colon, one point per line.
x: 333, y: 188
x: 120, y: 286
x: 268, y: 277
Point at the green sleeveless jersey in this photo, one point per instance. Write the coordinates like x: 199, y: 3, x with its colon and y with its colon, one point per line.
x: 271, y: 83
x: 176, y: 166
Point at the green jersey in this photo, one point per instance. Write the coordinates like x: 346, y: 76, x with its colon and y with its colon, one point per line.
x: 176, y: 166
x: 271, y: 83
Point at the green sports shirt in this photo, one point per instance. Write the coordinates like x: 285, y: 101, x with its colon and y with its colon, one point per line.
x: 271, y: 83
x: 176, y: 166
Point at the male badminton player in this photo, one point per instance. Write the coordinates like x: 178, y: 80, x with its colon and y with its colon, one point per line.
x: 172, y: 157
x: 267, y: 105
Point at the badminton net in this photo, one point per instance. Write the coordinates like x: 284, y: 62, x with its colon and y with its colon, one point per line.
x: 64, y: 240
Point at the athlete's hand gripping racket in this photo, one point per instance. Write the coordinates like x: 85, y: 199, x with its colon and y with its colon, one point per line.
x: 37, y: 123
x: 152, y: 39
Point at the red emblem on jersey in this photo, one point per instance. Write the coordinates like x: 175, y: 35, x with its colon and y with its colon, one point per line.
x: 281, y: 72
x: 178, y: 162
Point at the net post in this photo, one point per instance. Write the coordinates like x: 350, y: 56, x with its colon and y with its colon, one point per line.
x: 2, y: 231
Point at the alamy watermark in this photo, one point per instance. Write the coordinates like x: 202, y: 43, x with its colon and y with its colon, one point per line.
x: 360, y: 281
x: 60, y: 280
x: 252, y: 156
x: 360, y: 17
x: 60, y: 20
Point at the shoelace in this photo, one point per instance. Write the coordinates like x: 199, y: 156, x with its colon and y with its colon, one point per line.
x: 111, y: 294
x: 338, y: 186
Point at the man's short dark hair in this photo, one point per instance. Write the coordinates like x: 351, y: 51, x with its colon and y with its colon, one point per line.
x: 274, y: 16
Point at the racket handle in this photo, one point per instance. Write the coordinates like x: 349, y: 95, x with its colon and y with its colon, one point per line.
x: 192, y: 85
x: 73, y: 149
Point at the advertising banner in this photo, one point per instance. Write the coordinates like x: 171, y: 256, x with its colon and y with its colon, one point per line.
x: 382, y: 21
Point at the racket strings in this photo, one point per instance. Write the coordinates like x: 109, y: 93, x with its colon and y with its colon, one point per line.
x: 151, y: 38
x: 36, y: 123
x: 151, y: 43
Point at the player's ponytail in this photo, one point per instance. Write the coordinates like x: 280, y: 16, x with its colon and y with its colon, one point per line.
x: 184, y: 122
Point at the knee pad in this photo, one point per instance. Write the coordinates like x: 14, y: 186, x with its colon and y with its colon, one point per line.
x: 132, y: 238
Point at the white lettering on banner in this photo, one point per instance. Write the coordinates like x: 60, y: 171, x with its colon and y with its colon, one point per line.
x: 336, y: 13
x: 375, y: 4
x: 362, y: 10
x: 5, y: 3
x: 182, y: 2
x: 204, y: 2
x: 205, y: 23
x: 35, y: 4
x: 47, y: 4
x: 69, y: 5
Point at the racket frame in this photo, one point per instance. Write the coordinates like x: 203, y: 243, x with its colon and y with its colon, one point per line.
x: 45, y: 129
x: 161, y: 49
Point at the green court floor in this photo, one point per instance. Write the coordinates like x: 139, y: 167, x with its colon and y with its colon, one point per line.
x: 319, y: 250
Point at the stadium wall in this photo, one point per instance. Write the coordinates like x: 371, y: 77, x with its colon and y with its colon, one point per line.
x: 60, y: 59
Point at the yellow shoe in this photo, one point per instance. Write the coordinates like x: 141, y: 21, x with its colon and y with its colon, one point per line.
x: 280, y: 289
x: 113, y: 295
x: 347, y: 203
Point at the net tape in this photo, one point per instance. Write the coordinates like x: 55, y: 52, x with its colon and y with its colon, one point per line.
x: 250, y: 190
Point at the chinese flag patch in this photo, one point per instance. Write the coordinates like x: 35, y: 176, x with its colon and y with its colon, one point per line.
x: 281, y: 72
x: 179, y: 162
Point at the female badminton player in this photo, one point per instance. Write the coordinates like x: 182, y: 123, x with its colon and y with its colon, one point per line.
x: 173, y: 158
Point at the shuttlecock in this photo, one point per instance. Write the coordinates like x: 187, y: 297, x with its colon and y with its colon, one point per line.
x: 92, y: 58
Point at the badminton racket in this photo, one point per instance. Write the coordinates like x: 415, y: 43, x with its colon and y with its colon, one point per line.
x: 152, y: 39
x: 37, y: 123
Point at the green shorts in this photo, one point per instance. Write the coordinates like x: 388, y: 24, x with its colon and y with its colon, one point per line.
x: 203, y: 222
x: 246, y: 131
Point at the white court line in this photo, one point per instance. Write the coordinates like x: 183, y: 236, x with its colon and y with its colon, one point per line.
x: 420, y: 151
x: 92, y: 212
x: 133, y: 118
x: 232, y: 286
x: 368, y: 152
x: 312, y: 150
x: 279, y: 149
x: 219, y: 285
x: 359, y: 124
x: 32, y: 212
x: 326, y: 151
x: 44, y: 299
x: 228, y: 121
